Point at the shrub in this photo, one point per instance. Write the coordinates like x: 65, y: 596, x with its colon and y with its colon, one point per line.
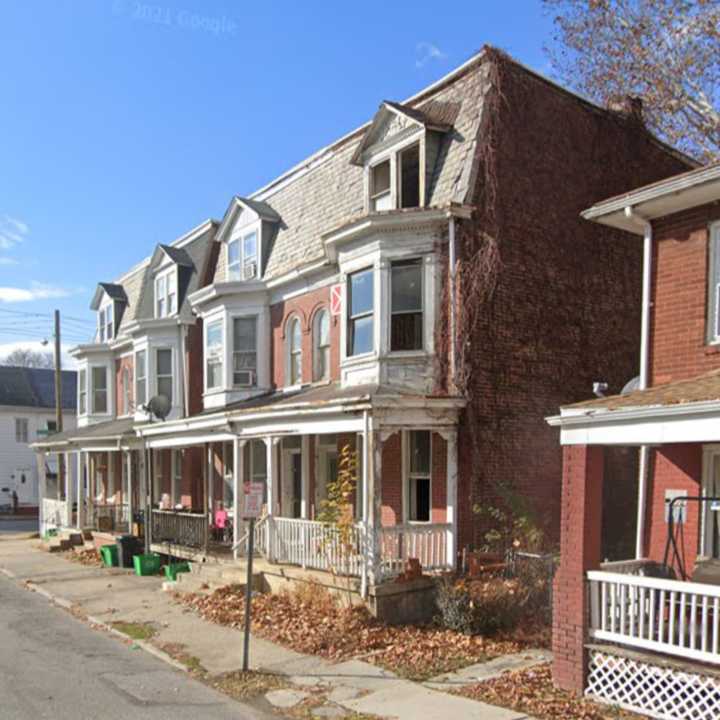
x: 455, y: 606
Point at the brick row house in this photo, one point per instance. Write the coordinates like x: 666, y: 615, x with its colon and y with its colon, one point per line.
x: 643, y: 631
x: 421, y: 291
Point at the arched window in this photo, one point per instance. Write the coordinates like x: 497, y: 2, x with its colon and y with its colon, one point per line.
x: 321, y: 346
x: 294, y: 337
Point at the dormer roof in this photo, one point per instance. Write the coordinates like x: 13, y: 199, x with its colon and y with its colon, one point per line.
x: 112, y: 290
x: 179, y: 256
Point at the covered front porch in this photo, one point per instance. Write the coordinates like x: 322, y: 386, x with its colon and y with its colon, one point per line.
x: 404, y: 501
x: 643, y: 630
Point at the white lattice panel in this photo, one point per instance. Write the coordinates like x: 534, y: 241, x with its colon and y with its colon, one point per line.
x: 661, y: 692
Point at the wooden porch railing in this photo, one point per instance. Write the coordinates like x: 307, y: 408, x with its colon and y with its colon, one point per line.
x: 667, y: 616
x: 425, y: 541
x: 118, y: 515
x: 179, y: 528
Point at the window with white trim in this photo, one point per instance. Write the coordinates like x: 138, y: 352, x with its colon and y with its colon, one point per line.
x: 713, y: 329
x: 406, y: 305
x: 21, y: 430
x: 105, y: 323
x: 321, y: 345
x: 82, y: 391
x: 408, y: 164
x: 380, y: 190
x: 294, y: 340
x: 242, y: 258
x: 99, y: 382
x: 214, y: 354
x: 164, y: 373
x: 360, y: 312
x: 141, y: 377
x: 419, y: 476
x: 244, y: 351
x: 126, y: 390
x: 166, y: 293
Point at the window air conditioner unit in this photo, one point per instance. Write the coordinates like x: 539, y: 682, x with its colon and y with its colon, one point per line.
x: 244, y: 378
x: 249, y: 271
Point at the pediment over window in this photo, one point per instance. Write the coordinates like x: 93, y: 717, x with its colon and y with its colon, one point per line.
x: 394, y: 122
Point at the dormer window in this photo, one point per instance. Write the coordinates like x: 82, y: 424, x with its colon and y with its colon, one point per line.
x: 243, y: 257
x: 105, y: 323
x: 409, y: 177
x: 166, y: 294
x: 380, y: 192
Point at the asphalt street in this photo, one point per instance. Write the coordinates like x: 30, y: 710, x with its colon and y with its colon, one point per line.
x: 55, y: 666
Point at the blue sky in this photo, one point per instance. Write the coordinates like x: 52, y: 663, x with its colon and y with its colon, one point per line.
x: 126, y: 123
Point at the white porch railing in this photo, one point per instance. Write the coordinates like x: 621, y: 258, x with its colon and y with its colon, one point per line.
x: 54, y: 514
x: 425, y: 541
x: 667, y: 616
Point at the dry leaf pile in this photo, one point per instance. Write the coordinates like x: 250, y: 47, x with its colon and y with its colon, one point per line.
x: 312, y: 622
x: 532, y: 692
x: 87, y: 556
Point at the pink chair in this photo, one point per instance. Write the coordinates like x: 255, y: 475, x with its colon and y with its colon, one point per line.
x: 221, y: 524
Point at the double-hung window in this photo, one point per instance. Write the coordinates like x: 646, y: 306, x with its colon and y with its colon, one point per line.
x: 105, y: 323
x: 243, y: 257
x: 321, y: 349
x: 409, y: 182
x: 214, y: 354
x: 244, y: 351
x: 406, y: 305
x: 21, y: 430
x: 419, y: 476
x: 163, y: 373
x: 140, y: 377
x: 166, y: 294
x: 713, y: 330
x: 126, y: 390
x: 82, y: 391
x: 294, y: 353
x: 380, y: 191
x: 360, y: 308
x: 99, y: 381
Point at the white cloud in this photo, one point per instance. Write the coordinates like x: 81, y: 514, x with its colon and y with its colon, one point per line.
x: 12, y: 232
x: 67, y: 362
x: 36, y: 291
x: 426, y: 52
x: 9, y: 261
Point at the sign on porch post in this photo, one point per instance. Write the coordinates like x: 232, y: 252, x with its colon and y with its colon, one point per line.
x: 251, y: 509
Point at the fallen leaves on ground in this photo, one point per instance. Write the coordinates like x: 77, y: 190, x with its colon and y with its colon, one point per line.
x: 86, y: 556
x: 312, y: 622
x: 532, y: 692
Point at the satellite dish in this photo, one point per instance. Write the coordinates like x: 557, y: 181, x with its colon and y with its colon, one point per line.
x: 631, y: 386
x: 159, y: 406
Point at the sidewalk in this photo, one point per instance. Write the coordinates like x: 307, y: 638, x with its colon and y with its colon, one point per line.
x: 110, y: 595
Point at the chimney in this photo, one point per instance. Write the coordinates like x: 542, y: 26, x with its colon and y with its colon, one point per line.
x: 629, y: 106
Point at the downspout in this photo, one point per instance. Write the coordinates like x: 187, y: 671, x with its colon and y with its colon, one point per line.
x: 364, y: 480
x: 452, y: 261
x: 644, y: 372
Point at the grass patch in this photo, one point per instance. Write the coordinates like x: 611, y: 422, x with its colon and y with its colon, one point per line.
x: 177, y: 652
x: 136, y: 631
x: 247, y: 685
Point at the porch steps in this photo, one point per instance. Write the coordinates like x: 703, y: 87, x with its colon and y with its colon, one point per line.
x: 73, y: 537
x: 204, y: 578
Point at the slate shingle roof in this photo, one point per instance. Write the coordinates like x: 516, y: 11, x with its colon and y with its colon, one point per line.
x: 35, y: 387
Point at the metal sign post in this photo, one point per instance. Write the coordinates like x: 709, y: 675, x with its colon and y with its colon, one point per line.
x: 252, y: 506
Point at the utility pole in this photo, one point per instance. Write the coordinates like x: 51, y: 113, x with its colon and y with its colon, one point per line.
x: 58, y: 376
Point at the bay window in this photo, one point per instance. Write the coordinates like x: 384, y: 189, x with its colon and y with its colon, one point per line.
x: 406, y: 305
x: 244, y: 351
x: 166, y: 294
x: 214, y: 354
x: 419, y: 476
x: 105, y: 323
x: 140, y: 378
x: 99, y: 390
x: 242, y: 257
x: 163, y: 373
x: 321, y: 346
x: 294, y: 353
x: 360, y: 309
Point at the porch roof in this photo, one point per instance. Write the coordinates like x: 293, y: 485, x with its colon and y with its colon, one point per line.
x: 110, y: 431
x: 683, y: 411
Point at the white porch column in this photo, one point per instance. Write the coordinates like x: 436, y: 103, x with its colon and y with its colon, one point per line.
x: 305, y: 477
x: 42, y: 491
x: 69, y: 489
x: 238, y: 481
x: 451, y: 513
x: 373, y: 458
x: 79, y: 486
x: 211, y: 481
x: 271, y: 469
x: 127, y: 457
x: 110, y: 476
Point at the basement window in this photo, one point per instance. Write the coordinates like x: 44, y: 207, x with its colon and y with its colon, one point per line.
x: 409, y: 181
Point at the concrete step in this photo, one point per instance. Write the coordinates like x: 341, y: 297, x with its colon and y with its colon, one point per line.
x: 56, y: 544
x: 72, y: 536
x: 194, y: 583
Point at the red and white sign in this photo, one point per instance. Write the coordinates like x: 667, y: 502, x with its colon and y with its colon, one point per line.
x: 336, y: 293
x: 252, y: 499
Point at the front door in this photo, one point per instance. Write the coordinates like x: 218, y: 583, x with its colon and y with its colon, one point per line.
x: 711, y: 509
x: 292, y: 483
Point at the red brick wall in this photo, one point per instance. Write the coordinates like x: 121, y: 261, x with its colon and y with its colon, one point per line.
x: 680, y: 282
x: 121, y: 364
x: 674, y: 467
x: 304, y: 307
x: 194, y: 362
x: 565, y: 311
x: 391, y: 491
x: 580, y: 530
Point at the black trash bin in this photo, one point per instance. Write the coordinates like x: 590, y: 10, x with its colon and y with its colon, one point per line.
x: 128, y: 545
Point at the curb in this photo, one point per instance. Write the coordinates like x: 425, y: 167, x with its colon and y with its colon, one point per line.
x: 67, y: 605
